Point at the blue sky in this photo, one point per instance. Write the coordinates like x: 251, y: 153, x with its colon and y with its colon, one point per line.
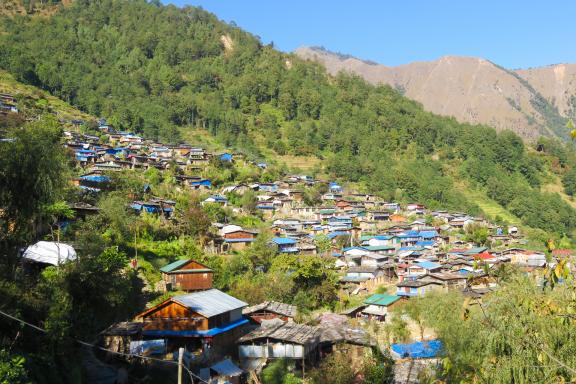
x: 512, y: 33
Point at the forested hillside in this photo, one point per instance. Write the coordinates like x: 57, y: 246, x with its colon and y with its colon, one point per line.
x: 157, y: 69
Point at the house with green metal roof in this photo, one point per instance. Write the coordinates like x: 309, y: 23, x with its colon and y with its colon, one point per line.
x: 378, y: 306
x: 474, y: 251
x: 186, y: 275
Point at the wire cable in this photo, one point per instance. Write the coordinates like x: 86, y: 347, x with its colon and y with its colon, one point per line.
x: 84, y: 343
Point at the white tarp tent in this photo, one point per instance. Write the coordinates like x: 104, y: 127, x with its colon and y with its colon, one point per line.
x: 49, y: 252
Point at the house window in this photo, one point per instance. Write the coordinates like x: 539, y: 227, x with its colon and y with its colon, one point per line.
x: 204, y: 275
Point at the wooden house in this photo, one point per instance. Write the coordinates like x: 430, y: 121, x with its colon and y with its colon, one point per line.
x: 269, y: 310
x: 307, y: 247
x: 519, y: 256
x: 416, y: 287
x: 158, y: 207
x: 424, y: 268
x: 187, y: 275
x: 281, y: 341
x: 285, y: 245
x: 205, y: 321
x: 378, y: 305
x: 357, y: 275
x: 373, y: 259
x: 81, y: 210
x: 339, y: 337
x: 236, y: 238
x: 396, y: 218
x: 118, y: 336
x: 448, y: 280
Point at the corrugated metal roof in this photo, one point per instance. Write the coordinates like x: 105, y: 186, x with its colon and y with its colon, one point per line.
x: 375, y: 248
x: 428, y: 234
x: 283, y: 241
x: 428, y: 265
x: 381, y: 299
x: 174, y: 265
x: 210, y: 303
x: 226, y: 368
x: 474, y: 251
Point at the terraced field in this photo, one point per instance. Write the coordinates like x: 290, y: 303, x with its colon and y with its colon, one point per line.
x: 32, y: 98
x: 489, y: 206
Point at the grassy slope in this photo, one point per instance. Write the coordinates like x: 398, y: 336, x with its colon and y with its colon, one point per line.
x: 489, y: 206
x: 32, y: 98
x: 555, y: 186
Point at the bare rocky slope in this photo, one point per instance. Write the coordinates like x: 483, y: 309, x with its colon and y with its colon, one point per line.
x: 557, y: 83
x: 530, y: 102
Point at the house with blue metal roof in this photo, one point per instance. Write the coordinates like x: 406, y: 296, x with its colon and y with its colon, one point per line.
x: 160, y: 207
x: 424, y: 268
x: 268, y: 187
x: 286, y: 244
x: 93, y: 182
x: 428, y: 235
x: 216, y: 199
x: 207, y: 321
x: 335, y: 187
x: 200, y: 184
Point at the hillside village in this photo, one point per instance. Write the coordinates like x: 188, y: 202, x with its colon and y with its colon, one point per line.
x: 385, y: 254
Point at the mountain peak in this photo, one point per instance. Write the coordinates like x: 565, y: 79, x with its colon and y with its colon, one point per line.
x: 473, y: 89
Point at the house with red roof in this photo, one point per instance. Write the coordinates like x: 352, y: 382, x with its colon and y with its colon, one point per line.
x: 563, y: 253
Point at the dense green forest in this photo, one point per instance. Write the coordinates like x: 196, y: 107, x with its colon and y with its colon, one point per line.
x: 154, y: 69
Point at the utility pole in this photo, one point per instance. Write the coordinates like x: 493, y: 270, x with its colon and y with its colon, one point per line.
x: 180, y: 359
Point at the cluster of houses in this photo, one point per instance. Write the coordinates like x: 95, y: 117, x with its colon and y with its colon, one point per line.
x: 8, y: 104
x: 113, y: 150
x: 222, y: 336
x: 372, y: 242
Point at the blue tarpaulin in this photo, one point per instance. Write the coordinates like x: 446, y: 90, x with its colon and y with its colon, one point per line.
x: 148, y: 347
x: 191, y: 333
x: 418, y: 350
x: 202, y: 183
x: 90, y: 188
x: 226, y: 157
x: 96, y: 178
